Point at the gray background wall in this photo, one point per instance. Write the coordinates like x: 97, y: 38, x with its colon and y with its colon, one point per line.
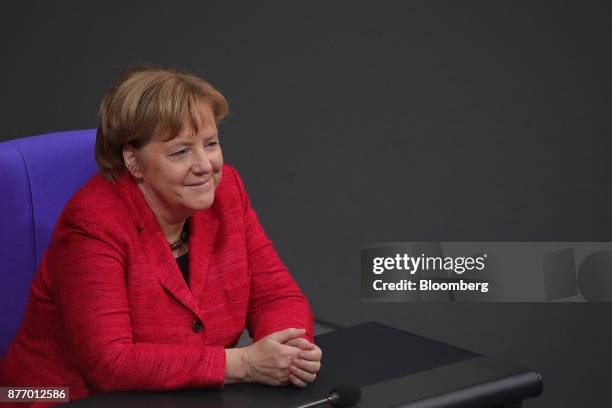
x: 380, y: 121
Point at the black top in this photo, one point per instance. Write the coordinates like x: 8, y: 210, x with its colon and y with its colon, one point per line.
x: 183, y: 260
x: 183, y: 264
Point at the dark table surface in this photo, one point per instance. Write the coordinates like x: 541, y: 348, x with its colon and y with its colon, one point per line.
x: 393, y: 367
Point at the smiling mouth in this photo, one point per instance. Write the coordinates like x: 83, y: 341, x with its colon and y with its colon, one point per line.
x: 199, y: 184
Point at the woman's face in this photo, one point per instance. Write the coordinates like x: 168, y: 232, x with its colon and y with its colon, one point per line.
x: 180, y: 176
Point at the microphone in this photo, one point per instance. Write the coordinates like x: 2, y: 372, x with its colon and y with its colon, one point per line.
x: 345, y: 395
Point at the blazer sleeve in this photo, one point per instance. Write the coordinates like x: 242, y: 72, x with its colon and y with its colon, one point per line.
x: 87, y: 278
x: 276, y: 301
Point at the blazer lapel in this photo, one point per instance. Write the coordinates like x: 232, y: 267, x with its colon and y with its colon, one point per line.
x: 202, y: 232
x: 157, y: 250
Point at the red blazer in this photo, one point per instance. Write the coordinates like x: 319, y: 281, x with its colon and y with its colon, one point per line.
x: 109, y: 309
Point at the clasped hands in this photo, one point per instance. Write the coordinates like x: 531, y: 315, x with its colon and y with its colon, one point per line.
x: 280, y: 358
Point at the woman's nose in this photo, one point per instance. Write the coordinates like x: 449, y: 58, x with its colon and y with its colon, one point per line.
x: 201, y: 163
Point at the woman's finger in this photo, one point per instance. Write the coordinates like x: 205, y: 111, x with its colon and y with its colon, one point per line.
x: 288, y: 351
x: 312, y: 355
x: 286, y: 335
x: 301, y: 343
x: 302, y: 375
x: 296, y: 381
x: 310, y: 366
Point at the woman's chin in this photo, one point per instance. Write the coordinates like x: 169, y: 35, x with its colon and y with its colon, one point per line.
x: 201, y: 203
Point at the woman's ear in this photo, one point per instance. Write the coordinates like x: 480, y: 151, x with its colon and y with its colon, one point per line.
x: 131, y: 161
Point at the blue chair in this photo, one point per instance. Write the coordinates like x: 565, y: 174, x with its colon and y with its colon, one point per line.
x: 39, y: 175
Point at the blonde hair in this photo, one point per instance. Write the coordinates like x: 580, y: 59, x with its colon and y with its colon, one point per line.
x: 145, y: 101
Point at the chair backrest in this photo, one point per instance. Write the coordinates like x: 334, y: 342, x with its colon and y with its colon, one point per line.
x: 38, y: 175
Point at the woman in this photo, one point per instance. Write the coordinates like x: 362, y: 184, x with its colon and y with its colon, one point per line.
x: 159, y: 262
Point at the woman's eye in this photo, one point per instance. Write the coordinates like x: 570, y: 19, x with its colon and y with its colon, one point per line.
x: 212, y: 145
x: 179, y: 153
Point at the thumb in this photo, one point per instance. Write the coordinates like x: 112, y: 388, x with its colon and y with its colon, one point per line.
x: 287, y: 334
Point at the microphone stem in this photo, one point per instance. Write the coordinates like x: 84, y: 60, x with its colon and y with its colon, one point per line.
x: 330, y: 399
